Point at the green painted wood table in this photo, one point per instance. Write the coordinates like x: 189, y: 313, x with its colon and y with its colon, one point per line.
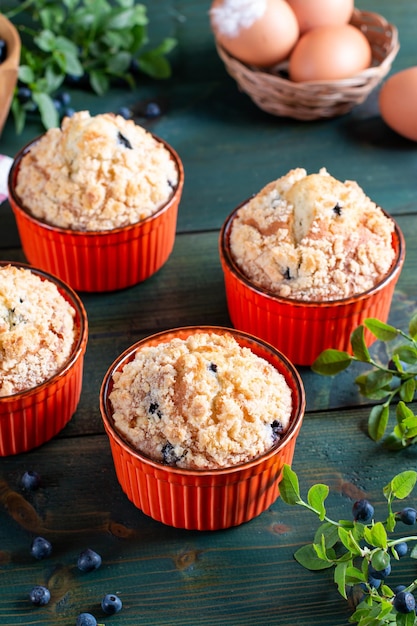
x: 245, y: 575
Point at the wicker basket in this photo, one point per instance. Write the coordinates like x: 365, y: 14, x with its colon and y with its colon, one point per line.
x: 272, y: 91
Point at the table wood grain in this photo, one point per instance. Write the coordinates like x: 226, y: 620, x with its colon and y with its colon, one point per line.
x: 245, y: 575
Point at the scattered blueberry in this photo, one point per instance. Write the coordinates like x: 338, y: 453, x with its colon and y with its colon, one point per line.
x: 380, y: 574
x: 41, y: 548
x: 31, y: 480
x: 363, y: 511
x: 125, y: 112
x: 404, y: 602
x: 401, y: 549
x: 408, y: 516
x: 24, y: 94
x: 86, y: 619
x: 40, y: 595
x: 64, y: 98
x: 69, y: 112
x: 88, y: 560
x: 152, y: 110
x: 169, y: 456
x: 111, y: 604
x: 3, y: 50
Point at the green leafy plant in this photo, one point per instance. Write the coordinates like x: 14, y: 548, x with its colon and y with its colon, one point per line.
x: 358, y: 551
x: 93, y: 41
x: 394, y: 381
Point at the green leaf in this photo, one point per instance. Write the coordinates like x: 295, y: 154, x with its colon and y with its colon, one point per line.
x: 316, y: 497
x: 408, y: 354
x: 331, y: 362
x: 155, y: 66
x: 307, y: 557
x: 359, y: 348
x: 406, y: 619
x: 289, y: 489
x: 401, y: 485
x: 378, y: 421
x: 383, y: 332
x: 49, y: 114
x: 46, y: 40
x: 393, y: 442
x: 349, y: 541
x: 354, y: 575
x: 119, y: 63
x: 329, y: 532
x: 340, y: 578
x: 412, y: 326
x: 99, y: 82
x: 26, y: 74
x: 380, y: 560
x: 407, y: 390
x: 376, y: 535
x: 413, y: 552
x: 374, y: 381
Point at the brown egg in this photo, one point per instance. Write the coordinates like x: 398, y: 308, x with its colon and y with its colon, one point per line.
x: 398, y: 102
x: 261, y: 32
x: 313, y: 13
x: 330, y: 53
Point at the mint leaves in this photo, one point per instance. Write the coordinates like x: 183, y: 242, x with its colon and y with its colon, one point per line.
x: 385, y: 383
x: 361, y: 554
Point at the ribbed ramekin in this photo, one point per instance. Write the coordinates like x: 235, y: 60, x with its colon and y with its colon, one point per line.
x: 302, y: 330
x: 32, y: 417
x: 98, y: 261
x: 203, y: 499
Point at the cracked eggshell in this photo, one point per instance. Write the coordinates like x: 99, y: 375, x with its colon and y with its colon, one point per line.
x: 256, y: 32
x: 398, y: 102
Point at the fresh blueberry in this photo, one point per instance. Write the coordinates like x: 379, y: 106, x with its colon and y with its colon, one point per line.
x: 31, y: 480
x: 363, y: 511
x: 86, y: 619
x: 88, y: 560
x: 64, y: 98
x: 41, y: 548
x: 374, y: 582
x: 111, y: 604
x: 399, y: 588
x: 404, y: 602
x: 3, y: 50
x: 40, y: 595
x: 381, y: 573
x: 152, y: 110
x: 401, y: 549
x: 125, y: 112
x: 408, y: 516
x: 24, y: 94
x: 69, y: 112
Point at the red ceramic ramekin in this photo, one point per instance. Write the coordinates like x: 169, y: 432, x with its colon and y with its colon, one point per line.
x: 98, y: 261
x: 302, y: 330
x: 203, y: 499
x: 32, y: 417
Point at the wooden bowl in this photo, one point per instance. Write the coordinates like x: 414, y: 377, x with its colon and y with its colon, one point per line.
x: 9, y: 68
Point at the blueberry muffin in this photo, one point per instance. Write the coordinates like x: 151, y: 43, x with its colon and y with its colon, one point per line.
x: 312, y: 238
x: 203, y: 402
x: 36, y: 330
x: 96, y: 173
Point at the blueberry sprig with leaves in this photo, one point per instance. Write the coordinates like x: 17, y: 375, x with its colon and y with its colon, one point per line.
x: 394, y: 381
x: 361, y: 550
x: 93, y: 42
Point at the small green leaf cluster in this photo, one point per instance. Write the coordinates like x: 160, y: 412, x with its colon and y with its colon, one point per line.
x: 96, y: 41
x: 395, y: 380
x: 352, y: 548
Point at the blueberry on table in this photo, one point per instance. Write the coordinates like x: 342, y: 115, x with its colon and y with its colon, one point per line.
x: 88, y: 560
x: 408, y: 516
x: 40, y: 548
x: 86, y: 619
x: 152, y: 110
x: 111, y: 604
x: 39, y: 595
x: 362, y: 511
x: 404, y: 602
x: 31, y: 480
x: 125, y: 112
